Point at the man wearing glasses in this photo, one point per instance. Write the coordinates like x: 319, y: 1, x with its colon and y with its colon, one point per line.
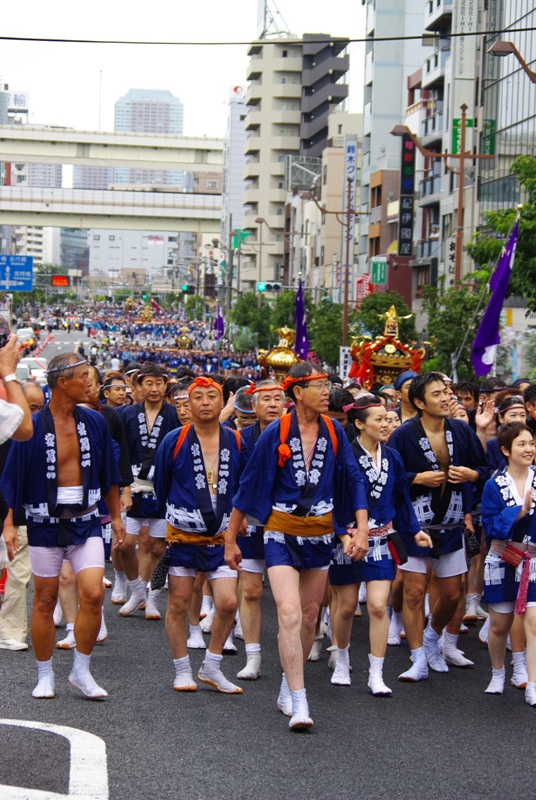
x: 302, y: 483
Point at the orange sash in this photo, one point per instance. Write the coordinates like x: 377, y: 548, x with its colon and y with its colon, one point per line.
x: 299, y: 526
x: 176, y: 536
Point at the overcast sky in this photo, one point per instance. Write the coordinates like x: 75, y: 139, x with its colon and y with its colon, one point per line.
x: 63, y: 79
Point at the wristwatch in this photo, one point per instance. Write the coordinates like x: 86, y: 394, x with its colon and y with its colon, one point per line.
x: 9, y: 378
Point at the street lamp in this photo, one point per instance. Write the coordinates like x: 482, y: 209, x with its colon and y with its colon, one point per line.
x: 502, y: 49
x: 462, y: 156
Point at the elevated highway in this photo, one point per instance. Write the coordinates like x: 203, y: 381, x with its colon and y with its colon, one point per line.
x: 94, y: 208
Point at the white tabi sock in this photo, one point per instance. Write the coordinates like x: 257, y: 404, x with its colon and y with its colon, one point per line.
x: 182, y: 665
x: 253, y: 648
x: 212, y: 662
x: 298, y: 698
x: 82, y: 678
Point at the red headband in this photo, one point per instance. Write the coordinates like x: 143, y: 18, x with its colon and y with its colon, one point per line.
x: 252, y: 389
x: 204, y: 383
x: 370, y: 405
x: 347, y: 407
x: 290, y: 381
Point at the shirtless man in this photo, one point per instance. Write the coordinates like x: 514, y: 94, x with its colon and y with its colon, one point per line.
x: 302, y: 483
x: 268, y: 403
x: 196, y: 475
x: 73, y: 448
x: 440, y: 456
x: 146, y: 423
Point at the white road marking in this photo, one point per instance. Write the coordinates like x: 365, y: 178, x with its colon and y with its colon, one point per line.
x: 88, y: 773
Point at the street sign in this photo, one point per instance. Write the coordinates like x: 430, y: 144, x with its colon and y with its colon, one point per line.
x: 457, y: 135
x: 16, y: 273
x: 378, y: 271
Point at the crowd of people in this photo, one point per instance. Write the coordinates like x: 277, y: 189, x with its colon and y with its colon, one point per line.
x: 415, y: 497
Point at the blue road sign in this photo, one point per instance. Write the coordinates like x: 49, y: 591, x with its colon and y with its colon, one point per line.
x: 16, y: 273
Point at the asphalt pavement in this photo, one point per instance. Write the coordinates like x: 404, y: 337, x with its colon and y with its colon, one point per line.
x: 442, y: 738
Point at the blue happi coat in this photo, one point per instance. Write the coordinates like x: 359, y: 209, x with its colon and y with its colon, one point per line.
x: 337, y: 482
x: 26, y: 483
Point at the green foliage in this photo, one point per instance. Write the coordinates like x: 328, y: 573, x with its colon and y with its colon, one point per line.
x: 194, y: 307
x: 485, y: 248
x: 284, y: 309
x: 367, y: 319
x: 325, y: 331
x: 449, y: 313
x: 258, y: 319
x: 245, y: 341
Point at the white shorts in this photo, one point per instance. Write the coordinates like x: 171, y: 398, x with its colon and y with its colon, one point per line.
x: 256, y: 565
x: 157, y: 527
x: 46, y: 561
x: 449, y: 565
x: 220, y: 572
x: 505, y: 607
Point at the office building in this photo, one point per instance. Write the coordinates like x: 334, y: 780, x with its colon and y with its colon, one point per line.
x: 149, y: 111
x: 293, y: 85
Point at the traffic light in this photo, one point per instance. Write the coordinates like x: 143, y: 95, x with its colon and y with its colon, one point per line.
x: 273, y: 287
x: 261, y: 287
x: 144, y: 296
x: 184, y: 287
x: 188, y: 288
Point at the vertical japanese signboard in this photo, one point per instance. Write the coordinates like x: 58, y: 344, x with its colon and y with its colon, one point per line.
x: 350, y: 182
x: 407, y: 197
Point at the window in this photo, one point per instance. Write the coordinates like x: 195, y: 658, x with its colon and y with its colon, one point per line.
x: 111, y: 238
x: 212, y: 184
x: 284, y: 53
x: 96, y: 237
x: 280, y: 185
x: 283, y: 80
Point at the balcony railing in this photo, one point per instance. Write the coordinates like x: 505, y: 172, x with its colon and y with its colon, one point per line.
x: 430, y: 186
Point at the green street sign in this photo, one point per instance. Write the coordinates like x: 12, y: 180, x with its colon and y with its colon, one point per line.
x: 488, y: 137
x: 457, y: 134
x: 378, y: 270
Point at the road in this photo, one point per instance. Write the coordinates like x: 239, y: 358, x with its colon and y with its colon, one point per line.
x: 437, y: 740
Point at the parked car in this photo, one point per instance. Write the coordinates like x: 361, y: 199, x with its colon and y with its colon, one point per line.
x: 38, y: 368
x: 28, y: 338
x: 23, y: 372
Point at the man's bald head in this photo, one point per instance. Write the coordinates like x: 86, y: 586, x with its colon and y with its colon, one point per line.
x: 33, y: 394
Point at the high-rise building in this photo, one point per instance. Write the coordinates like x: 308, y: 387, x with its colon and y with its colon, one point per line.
x: 507, y: 121
x: 293, y: 85
x: 234, y: 162
x: 387, y: 67
x: 149, y: 111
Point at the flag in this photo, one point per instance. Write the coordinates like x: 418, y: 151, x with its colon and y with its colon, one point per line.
x: 301, y: 342
x: 156, y: 307
x: 219, y: 325
x: 488, y: 336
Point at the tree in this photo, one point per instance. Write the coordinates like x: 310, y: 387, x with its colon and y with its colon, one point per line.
x: 367, y: 319
x: 258, y: 319
x: 449, y: 314
x: 325, y: 331
x: 194, y: 307
x: 285, y: 307
x: 485, y: 248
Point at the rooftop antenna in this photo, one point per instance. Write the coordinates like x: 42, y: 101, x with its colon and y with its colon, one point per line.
x: 271, y: 22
